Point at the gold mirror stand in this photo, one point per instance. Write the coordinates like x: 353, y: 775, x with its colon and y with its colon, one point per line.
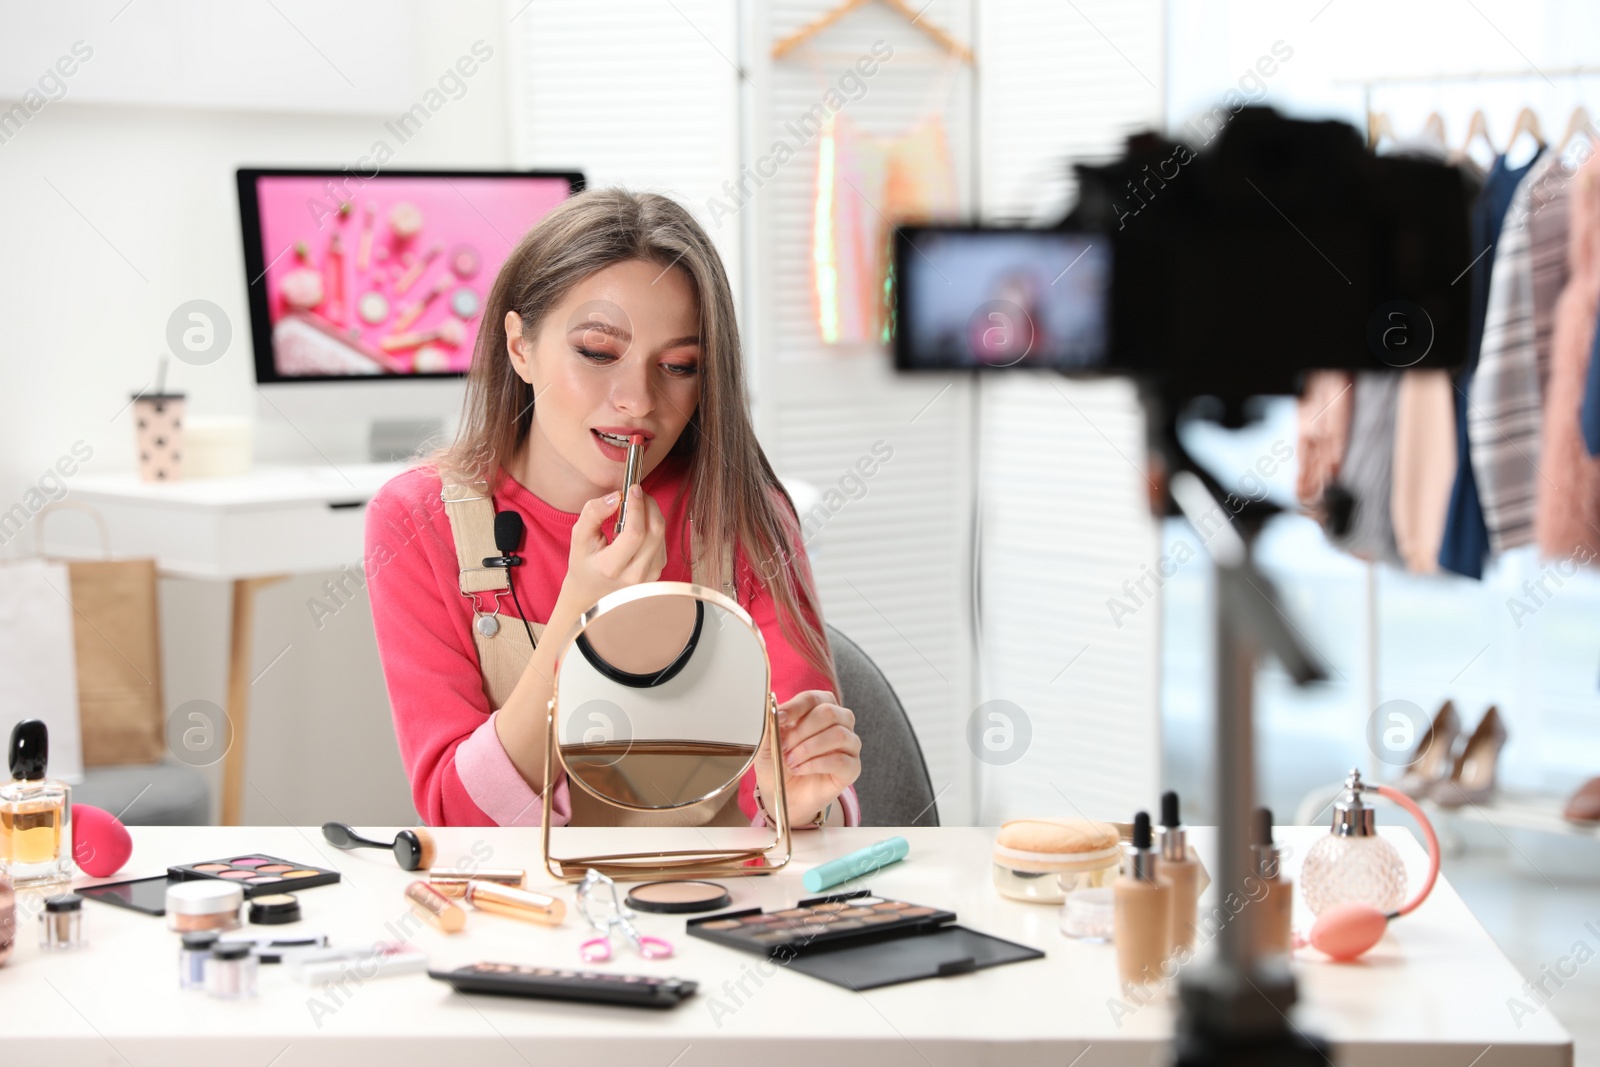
x: 695, y: 863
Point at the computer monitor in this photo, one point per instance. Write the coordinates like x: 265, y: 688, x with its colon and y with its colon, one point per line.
x: 354, y: 277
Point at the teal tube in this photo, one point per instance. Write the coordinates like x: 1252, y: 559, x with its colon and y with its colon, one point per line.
x: 860, y: 862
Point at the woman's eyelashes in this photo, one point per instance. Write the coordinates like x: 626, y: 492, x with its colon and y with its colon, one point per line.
x: 601, y: 358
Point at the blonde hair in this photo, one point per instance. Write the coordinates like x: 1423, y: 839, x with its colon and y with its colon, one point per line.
x: 733, y: 493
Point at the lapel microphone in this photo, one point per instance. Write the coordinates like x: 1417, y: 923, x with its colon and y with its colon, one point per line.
x: 508, y: 531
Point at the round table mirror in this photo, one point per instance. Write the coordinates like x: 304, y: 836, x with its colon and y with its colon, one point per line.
x: 661, y: 698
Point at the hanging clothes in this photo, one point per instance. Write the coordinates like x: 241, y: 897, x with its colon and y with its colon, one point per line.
x: 1368, y: 468
x: 1589, y: 414
x: 1567, y: 513
x: 864, y: 185
x: 1506, y: 406
x: 1466, y: 539
x: 1424, y: 466
x: 1425, y: 428
x: 1324, y: 433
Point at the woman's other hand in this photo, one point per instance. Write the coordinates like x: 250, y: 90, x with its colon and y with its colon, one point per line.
x: 821, y: 753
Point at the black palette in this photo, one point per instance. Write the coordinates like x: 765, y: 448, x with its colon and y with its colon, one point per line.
x: 861, y: 941
x: 257, y: 873
x: 819, y: 923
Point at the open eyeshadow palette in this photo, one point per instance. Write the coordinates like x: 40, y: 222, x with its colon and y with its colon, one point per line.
x: 257, y: 873
x: 819, y: 922
x: 861, y: 941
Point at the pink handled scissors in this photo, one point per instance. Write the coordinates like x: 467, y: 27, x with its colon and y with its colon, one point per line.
x: 598, y: 901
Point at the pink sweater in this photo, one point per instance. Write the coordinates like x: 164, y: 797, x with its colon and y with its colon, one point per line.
x: 460, y: 774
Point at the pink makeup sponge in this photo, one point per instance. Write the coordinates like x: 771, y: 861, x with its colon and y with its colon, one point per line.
x: 100, y: 843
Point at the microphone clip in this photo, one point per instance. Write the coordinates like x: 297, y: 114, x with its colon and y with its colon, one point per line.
x: 510, y: 560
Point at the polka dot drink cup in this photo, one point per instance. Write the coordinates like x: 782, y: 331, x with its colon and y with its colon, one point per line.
x: 158, y: 436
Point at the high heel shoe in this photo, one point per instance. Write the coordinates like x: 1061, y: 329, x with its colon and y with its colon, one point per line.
x: 1433, y: 757
x: 1473, y: 779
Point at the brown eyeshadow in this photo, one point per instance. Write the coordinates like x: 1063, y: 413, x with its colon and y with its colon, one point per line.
x: 882, y: 917
x: 916, y: 913
x: 721, y: 924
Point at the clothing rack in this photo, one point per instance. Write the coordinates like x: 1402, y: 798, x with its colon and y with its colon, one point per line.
x: 1368, y: 84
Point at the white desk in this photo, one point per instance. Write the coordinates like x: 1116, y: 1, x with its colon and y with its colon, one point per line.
x: 1433, y: 992
x: 252, y: 530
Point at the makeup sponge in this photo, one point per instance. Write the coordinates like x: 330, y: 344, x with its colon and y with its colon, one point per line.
x: 100, y: 843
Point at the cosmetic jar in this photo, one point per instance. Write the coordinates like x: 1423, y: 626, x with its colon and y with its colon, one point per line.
x: 192, y: 956
x: 521, y: 904
x: 275, y: 909
x: 439, y: 910
x: 1044, y: 860
x: 452, y: 881
x: 61, y: 922
x: 1088, y: 914
x: 231, y: 971
x: 204, y: 905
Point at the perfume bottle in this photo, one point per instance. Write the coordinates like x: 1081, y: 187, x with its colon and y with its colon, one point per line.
x: 1353, y: 865
x: 35, y: 813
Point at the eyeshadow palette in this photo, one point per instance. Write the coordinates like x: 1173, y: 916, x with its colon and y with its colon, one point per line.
x: 558, y: 983
x: 257, y: 873
x: 818, y: 923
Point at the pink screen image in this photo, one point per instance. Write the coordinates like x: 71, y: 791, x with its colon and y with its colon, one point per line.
x: 388, y: 277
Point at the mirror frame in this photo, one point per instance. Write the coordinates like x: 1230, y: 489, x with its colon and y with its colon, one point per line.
x: 694, y: 863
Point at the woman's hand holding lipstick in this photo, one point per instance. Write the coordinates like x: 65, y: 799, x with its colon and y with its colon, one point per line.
x: 595, y: 568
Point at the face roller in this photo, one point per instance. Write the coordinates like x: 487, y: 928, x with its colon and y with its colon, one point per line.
x: 630, y: 477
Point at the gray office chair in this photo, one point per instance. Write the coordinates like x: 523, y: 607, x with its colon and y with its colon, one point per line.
x: 894, y: 788
x: 148, y: 794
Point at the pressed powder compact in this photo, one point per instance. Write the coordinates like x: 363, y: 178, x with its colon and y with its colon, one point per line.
x: 678, y: 898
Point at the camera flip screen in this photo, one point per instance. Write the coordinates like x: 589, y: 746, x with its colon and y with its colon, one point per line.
x: 972, y: 299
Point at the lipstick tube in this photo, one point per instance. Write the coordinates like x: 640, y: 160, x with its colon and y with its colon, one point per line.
x: 630, y: 477
x: 435, y: 907
x: 521, y: 904
x: 452, y: 881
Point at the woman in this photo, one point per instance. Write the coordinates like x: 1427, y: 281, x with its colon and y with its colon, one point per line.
x: 613, y: 316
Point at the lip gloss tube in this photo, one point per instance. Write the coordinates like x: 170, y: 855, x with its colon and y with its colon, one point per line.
x: 630, y: 477
x: 521, y: 904
x: 436, y: 908
x: 452, y: 881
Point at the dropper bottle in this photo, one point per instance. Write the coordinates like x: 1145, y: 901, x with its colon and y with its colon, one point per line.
x: 1141, y: 911
x: 1180, y: 866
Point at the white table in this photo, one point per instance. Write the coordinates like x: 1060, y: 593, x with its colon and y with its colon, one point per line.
x: 1432, y: 993
x: 251, y: 529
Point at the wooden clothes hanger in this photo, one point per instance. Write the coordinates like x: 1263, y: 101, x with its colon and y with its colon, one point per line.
x: 1578, y: 123
x: 900, y: 7
x: 1477, y: 126
x: 1433, y: 128
x: 1527, y: 122
x: 1379, y: 127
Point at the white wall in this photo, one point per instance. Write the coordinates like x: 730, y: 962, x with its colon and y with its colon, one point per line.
x: 113, y: 214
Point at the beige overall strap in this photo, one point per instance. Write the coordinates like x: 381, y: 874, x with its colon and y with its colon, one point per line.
x: 503, y: 655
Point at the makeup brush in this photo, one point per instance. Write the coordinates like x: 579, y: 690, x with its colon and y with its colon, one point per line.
x: 413, y: 849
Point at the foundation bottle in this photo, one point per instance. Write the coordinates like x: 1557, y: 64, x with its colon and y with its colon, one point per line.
x: 1276, y: 907
x: 1181, y: 867
x: 35, y: 813
x: 1142, y: 912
